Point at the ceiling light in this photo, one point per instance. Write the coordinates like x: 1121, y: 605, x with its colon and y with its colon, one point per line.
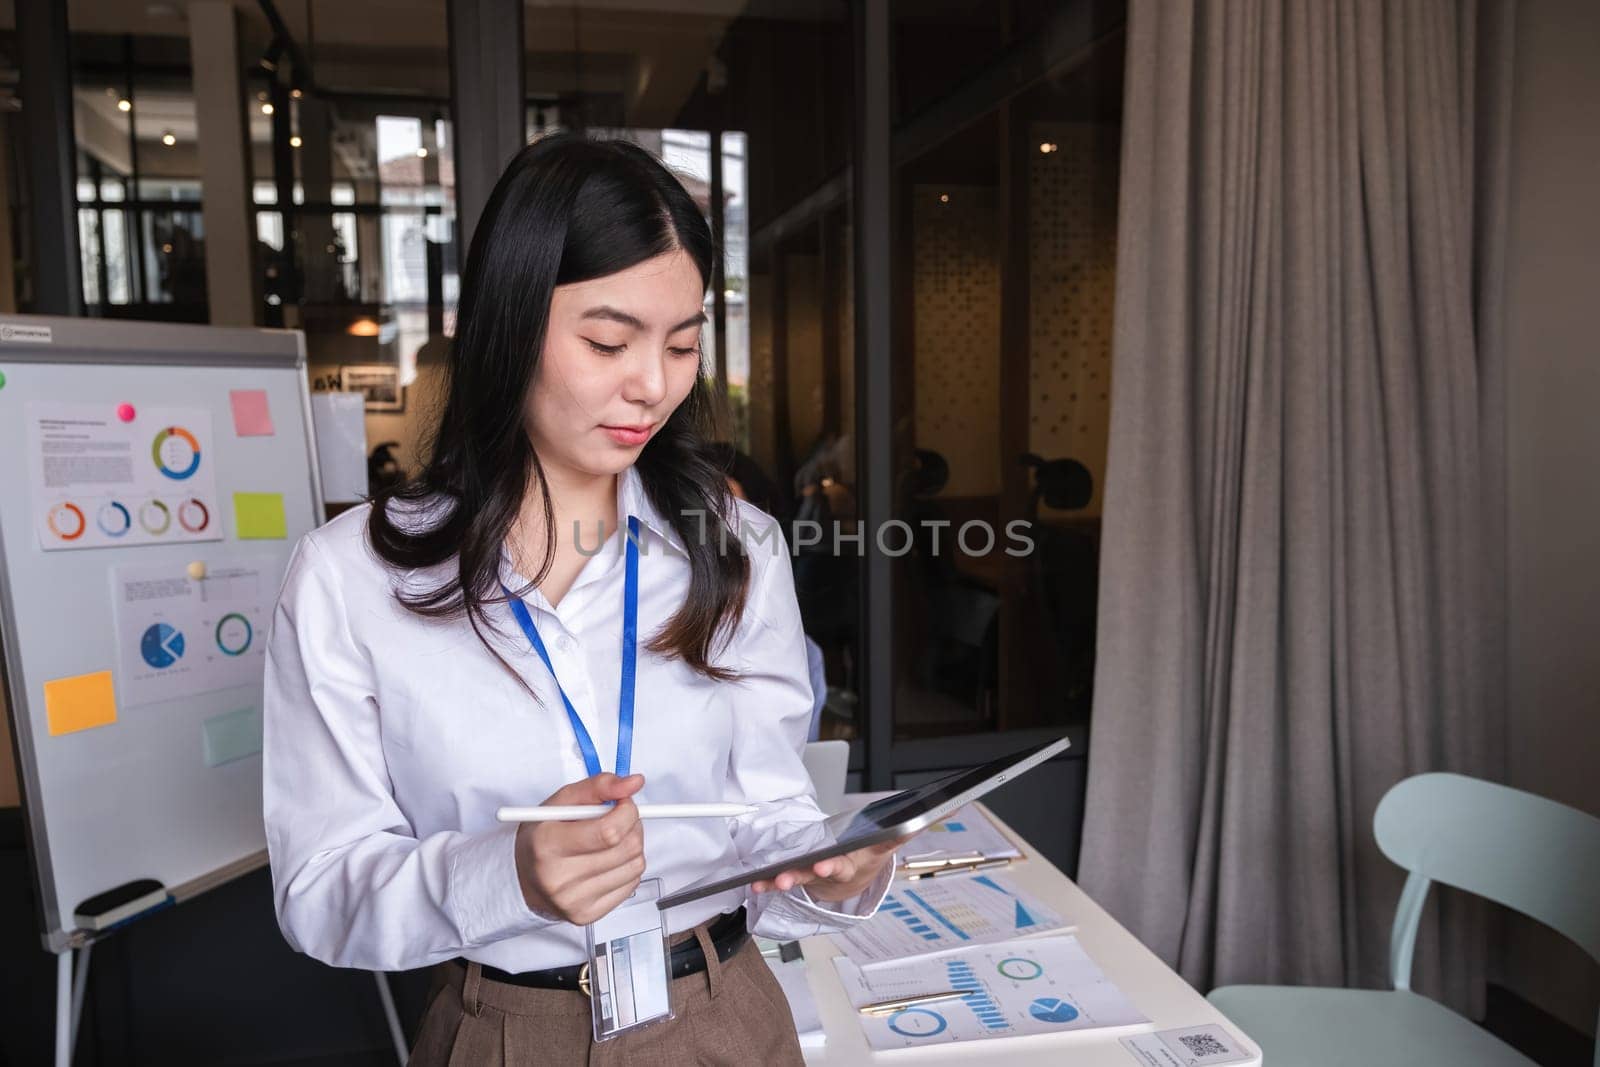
x: 296, y: 93
x: 422, y: 153
x: 124, y: 104
x: 169, y: 138
x: 1048, y: 146
x: 294, y: 142
x: 944, y: 198
x: 266, y: 109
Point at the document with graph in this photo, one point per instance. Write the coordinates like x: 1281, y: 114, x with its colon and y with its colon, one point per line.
x: 1039, y: 986
x: 936, y: 914
x: 965, y: 832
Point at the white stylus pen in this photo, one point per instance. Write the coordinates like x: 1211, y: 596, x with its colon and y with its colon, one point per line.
x: 571, y: 812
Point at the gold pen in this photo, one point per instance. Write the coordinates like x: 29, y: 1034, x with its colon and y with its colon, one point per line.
x: 889, y: 1007
x: 918, y: 863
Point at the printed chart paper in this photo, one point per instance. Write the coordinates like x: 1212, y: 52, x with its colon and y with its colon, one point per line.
x: 98, y: 481
x: 1043, y: 986
x: 177, y: 636
x: 964, y: 833
x: 937, y: 914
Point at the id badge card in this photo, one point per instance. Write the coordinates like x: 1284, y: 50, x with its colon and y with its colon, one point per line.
x: 630, y: 980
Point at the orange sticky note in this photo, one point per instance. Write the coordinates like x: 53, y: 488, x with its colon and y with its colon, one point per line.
x: 251, y: 415
x: 80, y: 703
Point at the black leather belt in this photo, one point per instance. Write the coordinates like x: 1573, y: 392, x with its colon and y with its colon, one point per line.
x: 727, y: 932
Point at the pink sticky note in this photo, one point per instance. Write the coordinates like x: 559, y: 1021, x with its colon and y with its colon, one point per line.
x: 251, y: 415
x: 125, y: 412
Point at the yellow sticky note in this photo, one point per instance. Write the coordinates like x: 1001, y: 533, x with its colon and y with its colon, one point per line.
x: 80, y: 703
x: 259, y: 517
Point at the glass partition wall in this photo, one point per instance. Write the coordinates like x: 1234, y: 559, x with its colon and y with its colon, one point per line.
x: 931, y: 429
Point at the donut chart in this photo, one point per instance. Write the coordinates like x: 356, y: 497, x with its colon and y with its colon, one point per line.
x: 234, y: 634
x: 113, y: 519
x: 917, y: 1022
x: 176, y: 452
x: 193, y: 515
x: 155, y: 517
x: 1020, y: 969
x: 66, y: 521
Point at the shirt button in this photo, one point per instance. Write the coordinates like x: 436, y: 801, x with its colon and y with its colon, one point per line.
x: 564, y: 643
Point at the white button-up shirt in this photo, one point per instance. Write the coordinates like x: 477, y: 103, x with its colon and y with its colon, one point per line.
x: 391, y: 739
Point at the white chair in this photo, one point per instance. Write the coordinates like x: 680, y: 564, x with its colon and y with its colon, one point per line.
x: 828, y: 762
x: 1514, y: 848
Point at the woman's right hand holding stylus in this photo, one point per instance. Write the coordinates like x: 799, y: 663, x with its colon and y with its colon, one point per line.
x: 578, y: 871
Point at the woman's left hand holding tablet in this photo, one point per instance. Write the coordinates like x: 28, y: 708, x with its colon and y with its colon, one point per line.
x: 578, y: 871
x: 836, y: 878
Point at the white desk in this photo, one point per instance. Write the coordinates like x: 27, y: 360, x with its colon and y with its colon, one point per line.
x: 1155, y: 989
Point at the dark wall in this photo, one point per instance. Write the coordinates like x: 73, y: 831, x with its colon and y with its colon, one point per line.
x: 210, y: 981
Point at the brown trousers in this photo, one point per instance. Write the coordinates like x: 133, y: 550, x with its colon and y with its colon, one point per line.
x: 732, y: 1014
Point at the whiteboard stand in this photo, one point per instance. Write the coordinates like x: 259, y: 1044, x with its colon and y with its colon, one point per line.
x: 64, y: 1009
x: 396, y: 1033
x: 70, y: 988
x: 80, y: 982
x: 249, y: 386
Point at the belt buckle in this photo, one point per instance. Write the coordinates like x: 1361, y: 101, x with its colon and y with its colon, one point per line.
x: 583, y: 980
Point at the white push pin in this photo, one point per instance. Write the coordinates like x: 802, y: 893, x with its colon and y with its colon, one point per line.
x: 197, y: 570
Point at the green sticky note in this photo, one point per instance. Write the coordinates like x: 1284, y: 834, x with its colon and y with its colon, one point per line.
x: 259, y: 517
x: 235, y: 735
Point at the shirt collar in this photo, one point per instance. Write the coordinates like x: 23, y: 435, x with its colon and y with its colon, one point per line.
x: 632, y: 499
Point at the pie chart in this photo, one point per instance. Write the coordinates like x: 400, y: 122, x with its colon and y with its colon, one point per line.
x: 176, y: 452
x: 1052, y: 1010
x: 161, y: 646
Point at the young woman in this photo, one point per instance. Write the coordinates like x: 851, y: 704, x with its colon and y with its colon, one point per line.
x: 460, y: 645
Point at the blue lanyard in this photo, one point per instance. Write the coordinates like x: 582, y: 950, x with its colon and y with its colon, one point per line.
x: 630, y: 651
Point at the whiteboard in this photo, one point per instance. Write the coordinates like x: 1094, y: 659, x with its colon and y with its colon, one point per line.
x: 171, y: 789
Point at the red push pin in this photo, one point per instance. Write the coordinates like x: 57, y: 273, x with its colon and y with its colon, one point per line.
x: 125, y: 412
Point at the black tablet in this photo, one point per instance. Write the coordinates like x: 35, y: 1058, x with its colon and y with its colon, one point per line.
x: 898, y: 815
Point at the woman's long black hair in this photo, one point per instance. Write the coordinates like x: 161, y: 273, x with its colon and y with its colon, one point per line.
x: 567, y: 209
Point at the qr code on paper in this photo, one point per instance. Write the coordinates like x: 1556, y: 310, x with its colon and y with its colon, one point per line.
x: 1203, y: 1045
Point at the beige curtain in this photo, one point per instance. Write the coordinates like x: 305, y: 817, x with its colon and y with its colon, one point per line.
x: 1302, y: 574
